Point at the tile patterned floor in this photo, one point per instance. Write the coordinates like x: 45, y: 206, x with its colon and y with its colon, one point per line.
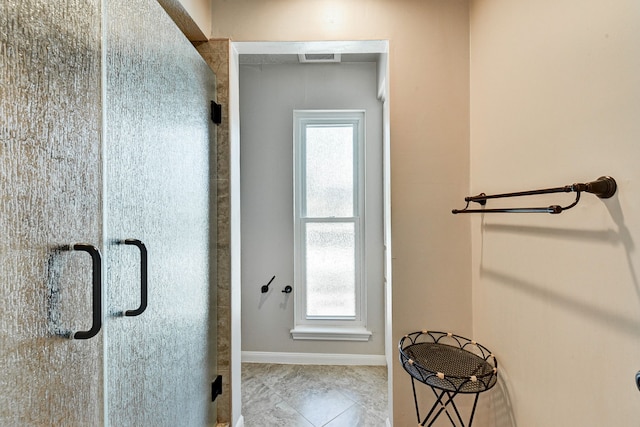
x: 313, y: 396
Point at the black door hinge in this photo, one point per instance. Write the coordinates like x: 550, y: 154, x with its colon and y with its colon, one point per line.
x: 216, y: 388
x: 216, y: 112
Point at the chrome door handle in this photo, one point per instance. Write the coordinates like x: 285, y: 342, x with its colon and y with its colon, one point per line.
x: 97, y: 291
x: 143, y: 277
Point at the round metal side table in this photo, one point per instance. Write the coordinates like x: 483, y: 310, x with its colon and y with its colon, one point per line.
x: 450, y: 365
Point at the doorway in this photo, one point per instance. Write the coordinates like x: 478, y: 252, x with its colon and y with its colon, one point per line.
x: 377, y: 47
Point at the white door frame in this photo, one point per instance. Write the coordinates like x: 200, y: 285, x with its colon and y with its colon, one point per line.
x: 237, y: 48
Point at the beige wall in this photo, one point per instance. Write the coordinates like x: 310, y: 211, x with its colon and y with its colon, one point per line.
x: 192, y: 16
x: 555, y: 99
x: 200, y: 10
x: 429, y: 93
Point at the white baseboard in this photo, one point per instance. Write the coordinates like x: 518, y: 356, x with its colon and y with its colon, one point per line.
x: 313, y: 358
x: 240, y: 422
x: 388, y: 422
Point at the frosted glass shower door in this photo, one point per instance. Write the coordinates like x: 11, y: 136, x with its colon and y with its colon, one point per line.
x: 50, y: 196
x: 97, y: 152
x: 159, y: 131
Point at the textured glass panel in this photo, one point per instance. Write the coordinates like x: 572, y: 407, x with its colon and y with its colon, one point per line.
x: 50, y: 196
x: 158, y: 136
x: 329, y: 171
x: 330, y: 269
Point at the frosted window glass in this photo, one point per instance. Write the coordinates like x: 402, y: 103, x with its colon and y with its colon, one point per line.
x: 330, y: 269
x: 329, y: 171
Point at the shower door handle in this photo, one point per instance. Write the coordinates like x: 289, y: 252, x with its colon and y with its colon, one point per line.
x: 97, y: 291
x: 143, y: 277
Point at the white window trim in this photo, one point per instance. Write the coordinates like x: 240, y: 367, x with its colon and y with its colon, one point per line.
x: 339, y: 329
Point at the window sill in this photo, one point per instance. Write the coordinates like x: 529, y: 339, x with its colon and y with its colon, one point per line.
x: 330, y: 333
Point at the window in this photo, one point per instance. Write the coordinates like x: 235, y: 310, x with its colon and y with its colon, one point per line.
x: 329, y: 222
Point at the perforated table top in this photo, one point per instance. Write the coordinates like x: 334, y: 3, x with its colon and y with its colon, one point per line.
x: 460, y: 365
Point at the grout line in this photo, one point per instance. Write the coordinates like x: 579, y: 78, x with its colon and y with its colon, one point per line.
x: 277, y: 384
x: 338, y: 416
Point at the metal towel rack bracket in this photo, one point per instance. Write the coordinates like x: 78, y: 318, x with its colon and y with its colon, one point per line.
x: 604, y: 187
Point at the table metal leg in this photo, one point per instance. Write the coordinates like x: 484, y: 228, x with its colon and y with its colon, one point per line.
x: 473, y: 411
x: 442, y: 403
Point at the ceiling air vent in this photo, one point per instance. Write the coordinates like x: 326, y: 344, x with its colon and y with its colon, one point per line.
x: 319, y: 57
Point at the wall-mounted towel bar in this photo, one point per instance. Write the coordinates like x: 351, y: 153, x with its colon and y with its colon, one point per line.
x: 604, y: 187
